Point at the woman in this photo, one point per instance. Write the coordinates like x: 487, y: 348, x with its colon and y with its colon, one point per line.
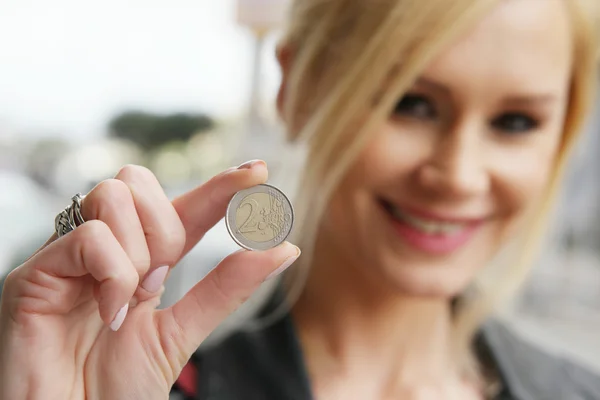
x: 437, y: 133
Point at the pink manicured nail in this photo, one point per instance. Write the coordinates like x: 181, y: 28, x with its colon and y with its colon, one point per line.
x: 119, y: 318
x: 155, y: 279
x: 250, y: 164
x: 286, y: 264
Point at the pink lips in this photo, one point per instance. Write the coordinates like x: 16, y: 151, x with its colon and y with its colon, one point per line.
x: 434, y: 243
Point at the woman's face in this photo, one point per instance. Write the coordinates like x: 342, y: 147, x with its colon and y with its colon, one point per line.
x: 465, y: 154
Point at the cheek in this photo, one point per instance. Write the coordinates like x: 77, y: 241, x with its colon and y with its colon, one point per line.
x: 394, y: 153
x: 349, y: 205
x: 520, y: 186
x: 349, y: 218
x: 378, y: 166
x: 343, y: 226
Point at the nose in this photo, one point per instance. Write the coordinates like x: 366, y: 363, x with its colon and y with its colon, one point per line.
x: 455, y: 167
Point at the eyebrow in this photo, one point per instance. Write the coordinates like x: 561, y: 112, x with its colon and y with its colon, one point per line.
x: 537, y: 99
x: 519, y: 100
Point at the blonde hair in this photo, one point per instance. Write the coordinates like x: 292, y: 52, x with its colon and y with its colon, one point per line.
x: 344, y: 53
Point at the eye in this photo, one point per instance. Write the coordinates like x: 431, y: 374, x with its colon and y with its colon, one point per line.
x: 415, y: 106
x: 515, y: 123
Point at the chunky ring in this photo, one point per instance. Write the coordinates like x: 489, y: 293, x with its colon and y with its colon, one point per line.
x: 70, y: 218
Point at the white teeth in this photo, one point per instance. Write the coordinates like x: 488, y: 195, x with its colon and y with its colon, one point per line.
x: 428, y: 226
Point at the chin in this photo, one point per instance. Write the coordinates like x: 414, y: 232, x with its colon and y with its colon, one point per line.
x: 426, y: 281
x: 443, y: 278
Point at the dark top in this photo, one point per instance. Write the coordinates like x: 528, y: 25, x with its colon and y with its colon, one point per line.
x: 268, y: 365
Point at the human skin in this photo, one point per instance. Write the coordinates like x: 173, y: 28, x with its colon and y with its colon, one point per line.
x: 372, y: 296
x: 64, y: 330
x: 468, y: 150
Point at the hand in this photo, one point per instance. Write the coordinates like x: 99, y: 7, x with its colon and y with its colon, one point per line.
x: 78, y: 320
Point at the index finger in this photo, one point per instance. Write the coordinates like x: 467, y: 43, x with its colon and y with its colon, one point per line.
x: 201, y: 208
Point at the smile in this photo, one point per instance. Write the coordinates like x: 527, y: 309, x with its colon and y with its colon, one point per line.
x: 429, y: 233
x: 426, y: 225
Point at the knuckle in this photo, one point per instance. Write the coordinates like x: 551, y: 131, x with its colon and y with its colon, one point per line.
x: 220, y: 290
x: 113, y: 190
x: 97, y: 237
x: 136, y: 173
x: 92, y: 237
x: 225, y: 292
x: 93, y: 232
x: 176, y: 237
x: 108, y: 194
x: 168, y: 241
x: 129, y: 277
x: 141, y: 260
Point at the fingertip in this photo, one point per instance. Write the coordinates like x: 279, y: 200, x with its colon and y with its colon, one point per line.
x: 257, y: 168
x: 119, y: 318
x: 260, y: 170
x: 112, y: 311
x: 253, y: 164
x: 290, y: 248
x: 290, y: 254
x: 114, y: 296
x: 237, y: 178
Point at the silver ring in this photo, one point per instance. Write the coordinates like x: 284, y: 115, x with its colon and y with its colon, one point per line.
x: 70, y: 218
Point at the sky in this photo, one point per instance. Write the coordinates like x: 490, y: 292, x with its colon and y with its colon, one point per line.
x: 67, y: 66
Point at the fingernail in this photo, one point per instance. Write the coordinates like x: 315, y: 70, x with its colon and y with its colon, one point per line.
x: 251, y: 163
x: 153, y: 282
x: 286, y: 264
x: 119, y: 318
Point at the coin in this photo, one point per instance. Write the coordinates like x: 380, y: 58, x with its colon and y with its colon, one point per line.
x: 260, y: 217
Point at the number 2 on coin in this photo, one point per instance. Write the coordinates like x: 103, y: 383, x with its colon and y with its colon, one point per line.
x: 246, y: 227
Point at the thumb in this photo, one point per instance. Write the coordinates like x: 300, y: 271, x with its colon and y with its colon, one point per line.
x: 188, y: 322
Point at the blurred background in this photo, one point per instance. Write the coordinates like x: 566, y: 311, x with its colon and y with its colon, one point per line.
x: 187, y: 88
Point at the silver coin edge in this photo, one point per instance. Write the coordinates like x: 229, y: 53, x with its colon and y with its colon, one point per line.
x: 241, y: 193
